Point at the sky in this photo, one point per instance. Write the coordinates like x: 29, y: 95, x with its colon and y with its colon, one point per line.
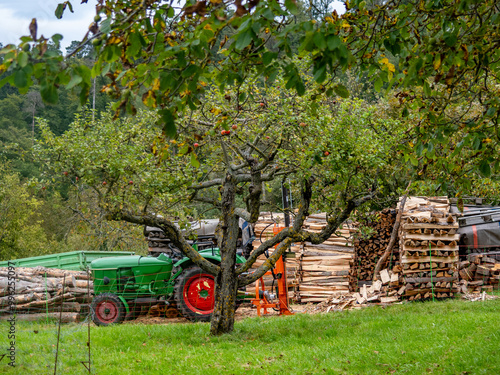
x: 16, y: 15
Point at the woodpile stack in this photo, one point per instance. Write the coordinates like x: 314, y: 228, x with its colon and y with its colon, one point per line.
x: 368, y: 251
x: 316, y: 272
x: 44, y: 291
x: 429, y: 248
x: 323, y: 270
x: 157, y: 242
x: 480, y: 272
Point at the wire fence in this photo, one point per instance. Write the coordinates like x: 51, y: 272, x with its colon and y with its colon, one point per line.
x: 46, y: 314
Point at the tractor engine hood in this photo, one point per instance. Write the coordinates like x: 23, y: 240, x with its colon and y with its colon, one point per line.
x: 131, y: 261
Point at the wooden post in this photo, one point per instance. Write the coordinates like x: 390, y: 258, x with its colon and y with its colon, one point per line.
x: 394, y: 236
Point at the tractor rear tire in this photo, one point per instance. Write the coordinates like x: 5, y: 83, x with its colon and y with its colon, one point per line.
x: 194, y: 294
x: 106, y: 309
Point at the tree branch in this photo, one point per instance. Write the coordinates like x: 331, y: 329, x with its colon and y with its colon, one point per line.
x: 171, y: 232
x: 288, y: 236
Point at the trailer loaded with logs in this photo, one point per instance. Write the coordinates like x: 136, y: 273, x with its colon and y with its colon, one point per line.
x: 38, y: 293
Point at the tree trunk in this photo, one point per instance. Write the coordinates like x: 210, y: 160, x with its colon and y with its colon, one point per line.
x: 226, y: 282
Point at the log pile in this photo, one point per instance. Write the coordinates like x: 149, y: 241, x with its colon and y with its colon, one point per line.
x: 429, y: 248
x: 384, y: 291
x: 480, y: 272
x: 158, y: 243
x: 324, y: 268
x: 45, y: 291
x: 316, y: 272
x: 367, y: 251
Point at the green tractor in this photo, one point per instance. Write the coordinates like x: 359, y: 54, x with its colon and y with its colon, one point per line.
x: 122, y: 285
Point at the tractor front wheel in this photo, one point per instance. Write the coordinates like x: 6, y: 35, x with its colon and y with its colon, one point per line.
x: 194, y: 294
x: 106, y: 309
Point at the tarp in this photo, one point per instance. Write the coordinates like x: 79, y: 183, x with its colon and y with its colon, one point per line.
x: 481, y: 235
x: 479, y: 226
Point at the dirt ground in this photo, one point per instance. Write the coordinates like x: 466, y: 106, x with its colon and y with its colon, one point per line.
x: 243, y: 312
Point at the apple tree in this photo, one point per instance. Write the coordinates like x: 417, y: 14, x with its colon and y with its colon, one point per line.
x: 337, y: 154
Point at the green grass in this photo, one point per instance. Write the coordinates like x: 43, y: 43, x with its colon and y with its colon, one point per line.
x: 446, y: 337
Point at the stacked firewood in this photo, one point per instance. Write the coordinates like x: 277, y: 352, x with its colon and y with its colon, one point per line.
x: 314, y: 272
x: 368, y: 251
x: 429, y: 248
x: 480, y: 272
x: 44, y: 291
x: 157, y: 242
x: 324, y: 268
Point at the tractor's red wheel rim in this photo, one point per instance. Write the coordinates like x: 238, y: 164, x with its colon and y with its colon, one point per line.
x: 107, y: 311
x: 199, y: 293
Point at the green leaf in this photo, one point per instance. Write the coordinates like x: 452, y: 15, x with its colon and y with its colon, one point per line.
x: 84, y: 93
x: 268, y: 57
x: 135, y: 44
x: 105, y: 26
x: 194, y: 160
x: 49, y: 93
x: 272, y: 76
x: 427, y: 89
x: 341, y: 91
x: 319, y: 40
x: 291, y: 5
x: 244, y: 39
x: 20, y: 78
x: 343, y: 52
x: 22, y: 59
x: 60, y: 10
x: 378, y: 84
x: 84, y: 72
x: 189, y: 71
x: 413, y: 161
x: 75, y: 80
x: 333, y: 41
x: 300, y: 87
x: 168, y: 120
x: 184, y: 150
x: 491, y: 111
x: 166, y: 81
x: 320, y: 74
x: 268, y: 14
x: 450, y: 39
x: 56, y: 38
x: 476, y: 143
x: 420, y: 149
x: 292, y: 80
x: 485, y: 169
